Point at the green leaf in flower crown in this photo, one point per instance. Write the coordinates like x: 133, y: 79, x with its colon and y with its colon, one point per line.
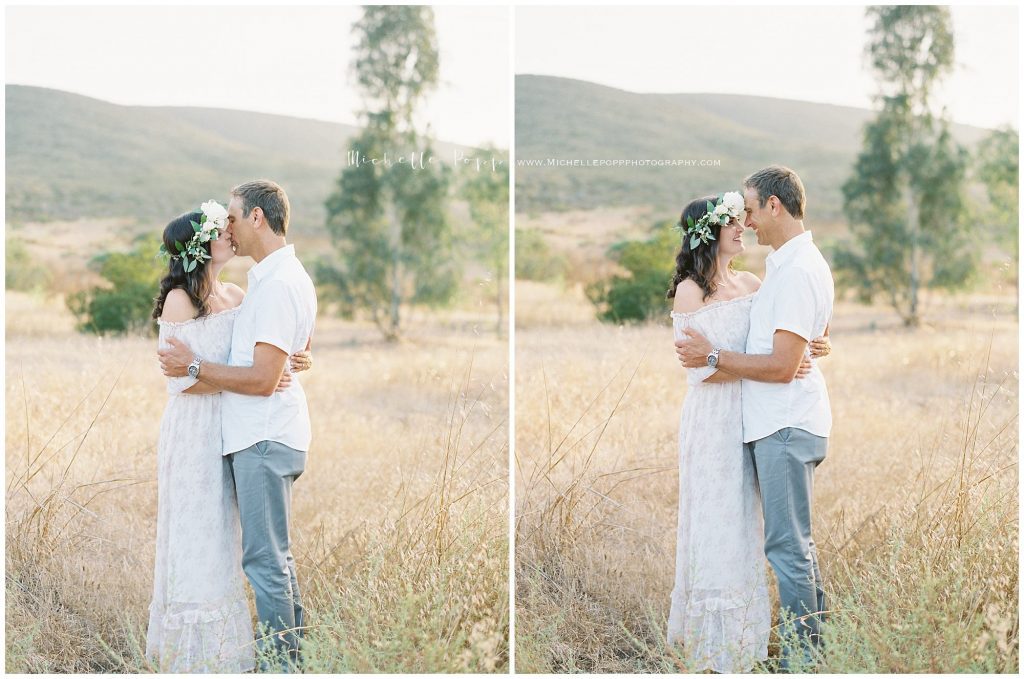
x: 195, y: 227
x: 177, y: 244
x: 689, y: 221
x: 711, y: 237
x: 711, y: 208
x: 191, y: 266
x: 694, y: 241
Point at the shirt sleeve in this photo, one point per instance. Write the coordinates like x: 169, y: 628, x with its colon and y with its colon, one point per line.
x: 795, y: 304
x: 186, y: 333
x: 277, y: 318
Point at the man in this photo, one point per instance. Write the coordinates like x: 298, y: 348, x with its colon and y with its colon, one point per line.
x: 266, y: 432
x: 786, y: 423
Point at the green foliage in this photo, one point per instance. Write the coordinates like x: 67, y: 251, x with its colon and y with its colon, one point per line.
x: 998, y: 166
x: 905, y: 199
x: 640, y: 296
x: 21, y: 272
x: 388, y: 221
x: 487, y: 193
x: 125, y: 304
x: 534, y: 259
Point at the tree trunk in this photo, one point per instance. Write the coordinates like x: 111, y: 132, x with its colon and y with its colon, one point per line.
x: 396, y: 272
x: 914, y: 227
x: 498, y: 279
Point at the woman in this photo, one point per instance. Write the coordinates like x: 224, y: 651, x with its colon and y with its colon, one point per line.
x: 720, y: 609
x: 199, y: 618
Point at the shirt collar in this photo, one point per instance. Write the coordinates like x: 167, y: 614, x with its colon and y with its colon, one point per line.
x: 788, y: 250
x: 261, y: 270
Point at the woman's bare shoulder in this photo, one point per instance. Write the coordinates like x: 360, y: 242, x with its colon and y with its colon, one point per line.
x: 237, y: 293
x: 689, y: 297
x: 178, y: 307
x: 751, y: 282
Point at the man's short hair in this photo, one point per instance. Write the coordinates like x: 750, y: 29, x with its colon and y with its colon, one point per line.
x: 269, y: 197
x: 781, y: 182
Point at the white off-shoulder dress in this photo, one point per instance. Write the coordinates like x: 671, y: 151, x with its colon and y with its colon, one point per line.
x: 720, y: 609
x: 199, y: 618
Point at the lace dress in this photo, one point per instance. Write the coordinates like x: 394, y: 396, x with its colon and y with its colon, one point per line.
x: 720, y: 609
x: 199, y: 618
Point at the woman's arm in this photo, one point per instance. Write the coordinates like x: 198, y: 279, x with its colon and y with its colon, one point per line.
x: 302, y: 360
x: 201, y: 389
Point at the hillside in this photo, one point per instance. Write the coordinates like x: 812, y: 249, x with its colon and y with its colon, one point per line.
x: 564, y: 118
x: 72, y: 157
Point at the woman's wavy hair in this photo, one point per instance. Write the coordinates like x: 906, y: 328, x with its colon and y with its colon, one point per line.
x: 701, y: 263
x: 195, y: 283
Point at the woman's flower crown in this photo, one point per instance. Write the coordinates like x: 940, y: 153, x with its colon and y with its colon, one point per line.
x: 192, y: 253
x: 729, y: 206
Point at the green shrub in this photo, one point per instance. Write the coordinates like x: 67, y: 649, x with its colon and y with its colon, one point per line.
x: 125, y: 304
x: 640, y: 296
x: 22, y: 273
x: 534, y: 259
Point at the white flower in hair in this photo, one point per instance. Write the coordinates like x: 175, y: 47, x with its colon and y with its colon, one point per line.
x: 216, y: 215
x: 192, y: 253
x: 728, y: 207
x: 734, y: 203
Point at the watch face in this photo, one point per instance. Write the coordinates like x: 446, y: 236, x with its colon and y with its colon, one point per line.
x: 713, y: 361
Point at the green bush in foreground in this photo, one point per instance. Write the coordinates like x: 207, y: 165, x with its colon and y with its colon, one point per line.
x: 126, y: 303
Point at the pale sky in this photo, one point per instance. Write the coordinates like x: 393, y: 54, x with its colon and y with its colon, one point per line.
x: 225, y: 57
x: 807, y: 53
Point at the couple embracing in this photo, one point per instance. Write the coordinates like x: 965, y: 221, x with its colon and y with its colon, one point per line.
x: 755, y: 424
x: 233, y: 437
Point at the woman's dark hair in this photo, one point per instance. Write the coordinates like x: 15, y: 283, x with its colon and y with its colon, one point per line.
x: 196, y: 283
x: 701, y: 264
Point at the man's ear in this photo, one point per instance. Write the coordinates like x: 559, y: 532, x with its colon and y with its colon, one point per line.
x: 257, y: 213
x: 774, y: 203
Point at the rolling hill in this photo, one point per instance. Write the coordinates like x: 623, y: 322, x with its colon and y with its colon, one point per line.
x: 71, y: 157
x: 573, y: 119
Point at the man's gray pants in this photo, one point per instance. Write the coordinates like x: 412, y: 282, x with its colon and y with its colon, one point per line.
x: 784, y: 463
x: 264, y: 474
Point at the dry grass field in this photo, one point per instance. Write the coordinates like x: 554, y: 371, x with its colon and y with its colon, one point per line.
x: 401, y: 517
x: 916, y: 505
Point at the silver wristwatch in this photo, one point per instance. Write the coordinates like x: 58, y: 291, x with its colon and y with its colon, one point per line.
x: 713, y: 359
x: 193, y: 367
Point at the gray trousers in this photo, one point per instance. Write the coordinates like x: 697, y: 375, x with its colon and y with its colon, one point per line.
x: 784, y: 463
x: 263, y: 475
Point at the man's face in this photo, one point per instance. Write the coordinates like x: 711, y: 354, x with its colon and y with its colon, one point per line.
x: 239, y: 228
x: 757, y: 218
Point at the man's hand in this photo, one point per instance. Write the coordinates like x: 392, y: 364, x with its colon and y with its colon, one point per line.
x: 693, y: 351
x: 804, y: 370
x: 174, y: 361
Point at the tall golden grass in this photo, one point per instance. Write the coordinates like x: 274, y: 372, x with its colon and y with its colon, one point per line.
x: 915, y: 514
x: 400, y: 519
